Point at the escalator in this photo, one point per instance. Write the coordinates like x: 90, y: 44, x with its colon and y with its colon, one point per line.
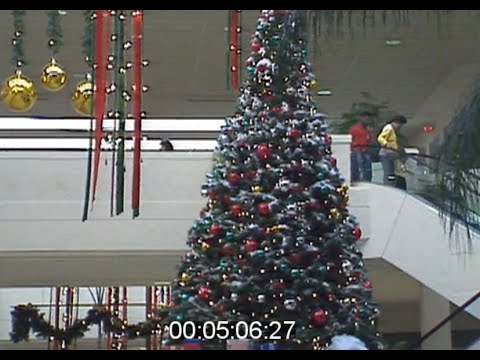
x: 407, y: 231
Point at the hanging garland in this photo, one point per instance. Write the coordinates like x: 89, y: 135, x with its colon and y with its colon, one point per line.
x: 54, y: 31
x: 120, y: 114
x: 18, y: 58
x: 28, y: 318
x: 54, y: 77
x: 19, y: 92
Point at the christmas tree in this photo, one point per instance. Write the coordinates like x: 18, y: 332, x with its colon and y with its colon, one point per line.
x: 276, y: 241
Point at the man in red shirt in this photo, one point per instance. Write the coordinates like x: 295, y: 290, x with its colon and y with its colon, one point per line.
x: 360, y: 160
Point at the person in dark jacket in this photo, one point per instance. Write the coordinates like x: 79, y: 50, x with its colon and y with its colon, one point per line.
x: 166, y: 145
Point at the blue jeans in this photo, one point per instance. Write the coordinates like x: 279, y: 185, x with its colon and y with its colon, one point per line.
x: 360, y: 166
x: 388, y: 164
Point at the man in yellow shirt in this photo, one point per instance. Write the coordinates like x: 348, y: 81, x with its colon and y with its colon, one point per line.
x: 390, y: 151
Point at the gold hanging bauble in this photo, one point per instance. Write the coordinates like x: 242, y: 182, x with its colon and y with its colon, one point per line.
x: 53, y: 77
x: 19, y: 93
x: 185, y: 277
x: 82, y: 98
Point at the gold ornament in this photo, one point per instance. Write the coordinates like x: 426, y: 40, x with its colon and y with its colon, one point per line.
x: 256, y: 189
x: 313, y: 84
x: 335, y: 213
x: 345, y: 188
x: 19, y: 93
x: 205, y: 246
x: 185, y: 277
x: 83, y: 97
x: 347, y: 198
x: 53, y: 77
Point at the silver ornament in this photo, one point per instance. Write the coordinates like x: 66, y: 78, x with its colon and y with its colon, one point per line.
x: 290, y: 304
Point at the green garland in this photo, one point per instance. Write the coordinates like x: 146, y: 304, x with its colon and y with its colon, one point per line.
x: 18, y: 58
x: 88, y: 36
x: 54, y: 31
x: 28, y: 318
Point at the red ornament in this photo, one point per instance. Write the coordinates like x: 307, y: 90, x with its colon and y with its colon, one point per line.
x: 250, y: 174
x: 277, y: 109
x: 295, y: 258
x: 234, y: 178
x: 262, y: 68
x: 268, y: 96
x: 236, y: 210
x: 368, y: 285
x: 428, y: 129
x: 226, y: 199
x: 256, y: 46
x: 278, y: 285
x: 333, y: 161
x: 263, y: 151
x: 328, y: 139
x: 314, y: 204
x: 294, y: 133
x: 357, y: 233
x: 204, y: 292
x: 263, y: 117
x: 251, y: 245
x: 226, y: 250
x: 297, y: 188
x: 264, y: 209
x: 215, y: 229
x: 319, y: 318
x: 219, y: 308
x: 212, y: 194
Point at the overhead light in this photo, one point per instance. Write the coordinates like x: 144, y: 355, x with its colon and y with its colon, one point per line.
x: 62, y: 12
x: 393, y: 42
x: 325, y: 92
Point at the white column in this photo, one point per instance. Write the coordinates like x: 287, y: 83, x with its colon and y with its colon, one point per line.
x: 433, y: 309
x: 341, y: 151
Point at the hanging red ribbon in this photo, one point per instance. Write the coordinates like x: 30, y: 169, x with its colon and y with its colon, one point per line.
x: 235, y: 30
x: 137, y: 107
x: 100, y: 92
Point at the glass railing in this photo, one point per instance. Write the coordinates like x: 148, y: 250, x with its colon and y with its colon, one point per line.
x: 418, y: 178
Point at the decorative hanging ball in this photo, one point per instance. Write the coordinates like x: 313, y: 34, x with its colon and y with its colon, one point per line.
x: 215, y: 229
x: 19, y: 93
x: 368, y: 285
x: 357, y: 233
x: 82, y: 98
x: 53, y: 77
x: 264, y: 209
x: 333, y: 161
x: 236, y: 209
x: 263, y: 151
x: 319, y: 318
x: 204, y: 292
x: 294, y: 133
x: 185, y: 277
x: 251, y: 245
x: 234, y: 178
